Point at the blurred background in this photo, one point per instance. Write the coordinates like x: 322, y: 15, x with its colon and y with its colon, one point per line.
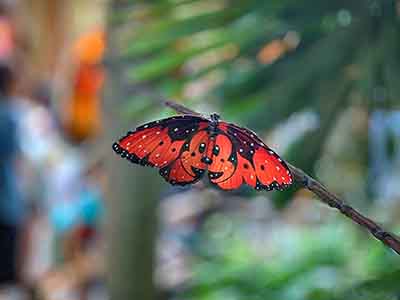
x: 317, y: 80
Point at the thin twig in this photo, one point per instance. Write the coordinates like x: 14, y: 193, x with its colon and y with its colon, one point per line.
x: 387, y: 238
x: 180, y: 108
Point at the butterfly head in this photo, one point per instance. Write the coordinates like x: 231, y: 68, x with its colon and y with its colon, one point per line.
x: 215, y: 117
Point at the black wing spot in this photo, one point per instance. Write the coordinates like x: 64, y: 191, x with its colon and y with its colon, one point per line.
x: 216, y: 150
x: 207, y: 160
x: 117, y: 148
x: 215, y: 175
x: 202, y: 147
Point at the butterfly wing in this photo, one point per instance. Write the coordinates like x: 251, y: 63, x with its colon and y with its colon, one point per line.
x: 183, y: 149
x: 244, y: 159
x: 188, y: 167
x: 168, y: 144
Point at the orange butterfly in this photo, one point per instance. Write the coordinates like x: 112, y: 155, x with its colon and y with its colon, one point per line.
x: 185, y: 147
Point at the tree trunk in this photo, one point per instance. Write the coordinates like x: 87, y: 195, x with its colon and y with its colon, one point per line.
x: 132, y: 203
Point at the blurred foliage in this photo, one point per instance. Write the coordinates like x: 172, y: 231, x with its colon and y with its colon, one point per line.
x: 261, y: 63
x: 296, y: 264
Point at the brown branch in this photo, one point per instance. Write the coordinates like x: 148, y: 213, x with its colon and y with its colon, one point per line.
x: 387, y: 238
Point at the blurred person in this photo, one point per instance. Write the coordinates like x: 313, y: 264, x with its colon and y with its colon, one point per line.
x: 83, y: 244
x: 74, y: 212
x: 65, y: 200
x: 39, y: 140
x: 53, y: 182
x: 11, y: 200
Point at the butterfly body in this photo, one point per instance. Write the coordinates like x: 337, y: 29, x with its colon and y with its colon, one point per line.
x: 185, y: 147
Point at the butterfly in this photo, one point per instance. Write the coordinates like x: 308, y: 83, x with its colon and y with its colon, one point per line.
x: 185, y: 147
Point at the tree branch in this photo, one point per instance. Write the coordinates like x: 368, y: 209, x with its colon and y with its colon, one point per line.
x: 387, y: 238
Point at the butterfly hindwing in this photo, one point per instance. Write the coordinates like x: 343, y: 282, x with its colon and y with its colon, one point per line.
x: 230, y: 170
x: 224, y: 160
x: 188, y: 167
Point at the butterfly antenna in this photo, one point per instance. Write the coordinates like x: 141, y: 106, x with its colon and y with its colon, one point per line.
x: 179, y: 108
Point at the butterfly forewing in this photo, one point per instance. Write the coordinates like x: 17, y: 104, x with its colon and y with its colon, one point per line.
x: 188, y: 167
